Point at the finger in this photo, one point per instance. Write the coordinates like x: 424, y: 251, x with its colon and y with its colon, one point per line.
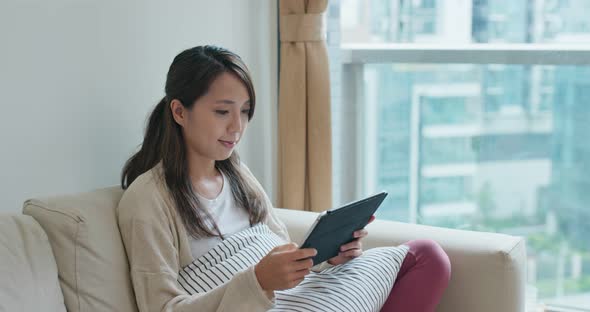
x: 302, y: 264
x: 298, y: 275
x: 353, y: 253
x: 360, y: 233
x: 355, y: 244
x: 304, y: 253
x: 334, y: 259
x: 285, y: 247
x: 371, y: 219
x: 295, y: 283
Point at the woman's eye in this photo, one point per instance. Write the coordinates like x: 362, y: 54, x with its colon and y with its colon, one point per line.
x: 221, y: 112
x: 246, y: 111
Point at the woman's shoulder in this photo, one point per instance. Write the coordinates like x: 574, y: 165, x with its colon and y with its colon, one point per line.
x: 143, y: 199
x: 147, y: 181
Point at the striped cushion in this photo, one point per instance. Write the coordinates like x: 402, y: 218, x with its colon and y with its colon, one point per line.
x: 361, y: 284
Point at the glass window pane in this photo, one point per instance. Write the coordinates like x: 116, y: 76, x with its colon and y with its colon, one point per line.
x: 515, y: 160
x: 457, y: 21
x: 497, y: 147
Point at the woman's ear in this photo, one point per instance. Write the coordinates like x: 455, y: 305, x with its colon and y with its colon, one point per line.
x: 178, y: 112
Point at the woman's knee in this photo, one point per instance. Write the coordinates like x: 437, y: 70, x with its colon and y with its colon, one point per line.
x: 430, y: 254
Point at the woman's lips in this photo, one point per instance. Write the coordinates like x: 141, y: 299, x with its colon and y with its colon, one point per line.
x: 228, y: 144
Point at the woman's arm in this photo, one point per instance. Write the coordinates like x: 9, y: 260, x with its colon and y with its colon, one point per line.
x: 151, y: 245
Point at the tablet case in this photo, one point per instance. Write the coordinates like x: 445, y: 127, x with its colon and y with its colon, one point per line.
x: 337, y: 226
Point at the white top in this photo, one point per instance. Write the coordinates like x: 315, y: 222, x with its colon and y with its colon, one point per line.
x: 229, y: 218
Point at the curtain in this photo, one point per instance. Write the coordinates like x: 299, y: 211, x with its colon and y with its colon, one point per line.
x: 305, y: 140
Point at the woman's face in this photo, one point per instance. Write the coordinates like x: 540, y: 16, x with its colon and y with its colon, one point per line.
x: 218, y: 120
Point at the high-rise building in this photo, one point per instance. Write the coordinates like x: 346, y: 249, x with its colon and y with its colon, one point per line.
x: 440, y: 127
x: 568, y: 195
x: 497, y: 145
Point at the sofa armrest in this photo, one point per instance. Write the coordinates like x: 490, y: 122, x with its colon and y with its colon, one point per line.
x: 488, y: 269
x: 28, y: 272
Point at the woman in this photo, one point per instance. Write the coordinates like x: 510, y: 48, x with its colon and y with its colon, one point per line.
x: 186, y: 192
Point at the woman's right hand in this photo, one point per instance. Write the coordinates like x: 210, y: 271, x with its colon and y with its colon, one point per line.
x: 284, y: 267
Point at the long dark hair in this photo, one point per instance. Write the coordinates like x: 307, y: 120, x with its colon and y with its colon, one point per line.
x: 189, y: 77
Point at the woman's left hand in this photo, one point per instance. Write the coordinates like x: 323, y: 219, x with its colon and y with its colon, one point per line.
x: 351, y: 250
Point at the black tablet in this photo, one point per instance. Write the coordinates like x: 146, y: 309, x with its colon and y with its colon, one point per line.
x: 335, y: 227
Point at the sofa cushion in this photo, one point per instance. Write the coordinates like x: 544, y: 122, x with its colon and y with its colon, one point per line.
x: 91, y: 260
x: 28, y: 272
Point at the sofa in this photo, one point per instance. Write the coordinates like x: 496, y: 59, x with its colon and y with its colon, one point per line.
x: 64, y: 253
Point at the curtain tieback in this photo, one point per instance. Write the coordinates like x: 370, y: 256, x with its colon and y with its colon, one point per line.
x: 302, y: 27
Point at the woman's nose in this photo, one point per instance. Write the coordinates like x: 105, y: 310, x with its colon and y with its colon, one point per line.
x: 236, y: 123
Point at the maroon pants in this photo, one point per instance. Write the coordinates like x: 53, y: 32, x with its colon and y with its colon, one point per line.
x: 422, y: 279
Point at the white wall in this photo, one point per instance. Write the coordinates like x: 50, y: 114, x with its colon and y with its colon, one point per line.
x: 79, y: 77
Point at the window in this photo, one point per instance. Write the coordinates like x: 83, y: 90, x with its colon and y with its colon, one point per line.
x: 472, y: 114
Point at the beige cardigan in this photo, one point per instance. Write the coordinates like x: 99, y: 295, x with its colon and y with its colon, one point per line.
x: 157, y: 247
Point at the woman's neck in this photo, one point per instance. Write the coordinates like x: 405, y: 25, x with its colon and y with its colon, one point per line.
x: 201, y: 168
x: 205, y: 178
